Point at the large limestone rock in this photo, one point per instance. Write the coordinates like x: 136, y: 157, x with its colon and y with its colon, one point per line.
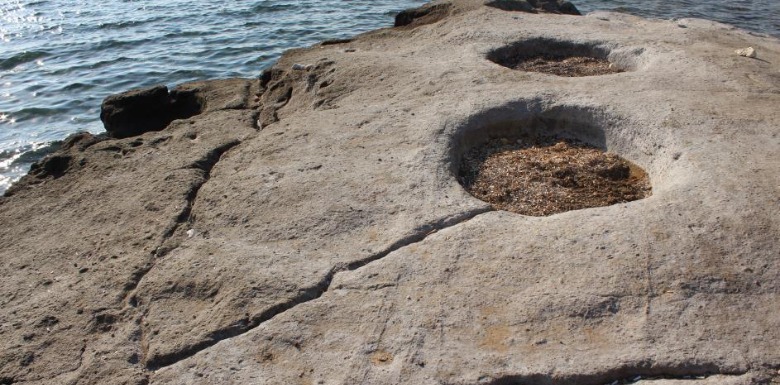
x: 308, y: 227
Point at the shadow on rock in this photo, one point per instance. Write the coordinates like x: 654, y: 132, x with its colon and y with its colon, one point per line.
x: 138, y: 111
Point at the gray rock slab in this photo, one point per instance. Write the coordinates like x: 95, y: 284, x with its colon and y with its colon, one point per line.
x: 308, y: 227
x: 75, y: 246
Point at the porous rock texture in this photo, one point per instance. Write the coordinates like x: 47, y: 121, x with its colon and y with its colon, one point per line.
x: 308, y: 228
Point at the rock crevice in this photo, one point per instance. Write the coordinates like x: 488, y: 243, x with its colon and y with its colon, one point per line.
x: 308, y: 294
x: 204, y: 165
x: 625, y: 375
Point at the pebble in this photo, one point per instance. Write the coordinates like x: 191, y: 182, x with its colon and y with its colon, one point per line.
x: 190, y: 233
x: 746, y: 52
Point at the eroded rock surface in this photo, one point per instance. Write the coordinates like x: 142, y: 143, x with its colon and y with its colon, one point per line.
x: 308, y: 227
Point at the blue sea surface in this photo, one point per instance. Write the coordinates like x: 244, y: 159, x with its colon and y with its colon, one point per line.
x: 60, y: 58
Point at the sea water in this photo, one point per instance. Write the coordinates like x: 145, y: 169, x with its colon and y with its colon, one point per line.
x: 60, y: 58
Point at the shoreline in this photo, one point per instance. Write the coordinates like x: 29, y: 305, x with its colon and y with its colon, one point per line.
x: 586, y: 7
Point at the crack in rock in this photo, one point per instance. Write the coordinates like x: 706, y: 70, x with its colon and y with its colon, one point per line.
x: 420, y: 234
x: 310, y: 293
x: 205, y: 164
x: 621, y: 376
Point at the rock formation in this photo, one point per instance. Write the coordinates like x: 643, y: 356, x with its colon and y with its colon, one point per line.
x: 308, y: 227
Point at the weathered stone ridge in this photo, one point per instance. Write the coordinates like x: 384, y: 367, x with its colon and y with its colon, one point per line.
x: 308, y: 227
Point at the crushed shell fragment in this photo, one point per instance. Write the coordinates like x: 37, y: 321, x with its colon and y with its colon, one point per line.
x: 747, y: 52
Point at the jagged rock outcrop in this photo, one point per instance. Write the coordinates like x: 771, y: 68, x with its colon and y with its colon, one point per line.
x: 437, y: 10
x: 309, y: 227
x: 551, y: 6
x: 147, y: 109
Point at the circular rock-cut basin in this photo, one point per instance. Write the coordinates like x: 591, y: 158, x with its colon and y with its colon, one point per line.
x: 536, y: 158
x: 555, y: 57
x: 548, y: 175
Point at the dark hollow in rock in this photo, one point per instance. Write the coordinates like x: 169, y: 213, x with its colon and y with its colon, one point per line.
x: 336, y: 42
x: 138, y: 111
x: 554, y: 57
x: 541, y: 176
x: 535, y: 6
x: 537, y: 159
x: 626, y: 374
x: 427, y: 14
x: 52, y: 166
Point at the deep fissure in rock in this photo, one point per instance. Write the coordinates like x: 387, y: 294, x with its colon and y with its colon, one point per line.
x: 560, y: 58
x: 206, y: 164
x: 242, y: 327
x: 307, y: 294
x: 619, y: 376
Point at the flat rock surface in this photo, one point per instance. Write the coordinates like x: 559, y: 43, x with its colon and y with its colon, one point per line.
x: 308, y: 227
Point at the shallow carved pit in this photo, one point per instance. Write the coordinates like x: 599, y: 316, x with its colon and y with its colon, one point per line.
x: 545, y: 164
x: 560, y: 58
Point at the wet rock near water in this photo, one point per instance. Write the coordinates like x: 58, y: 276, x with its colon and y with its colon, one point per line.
x: 561, y: 7
x: 150, y: 109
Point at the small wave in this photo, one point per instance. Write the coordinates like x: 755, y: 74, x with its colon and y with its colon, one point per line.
x: 36, y: 112
x: 267, y: 8
x: 37, y: 3
x: 27, y: 154
x: 15, y: 163
x: 109, y: 44
x: 77, y: 87
x: 37, y: 153
x: 181, y: 34
x: 187, y: 75
x: 21, y: 58
x: 123, y: 24
x: 90, y: 66
x: 5, y: 183
x: 7, y: 158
